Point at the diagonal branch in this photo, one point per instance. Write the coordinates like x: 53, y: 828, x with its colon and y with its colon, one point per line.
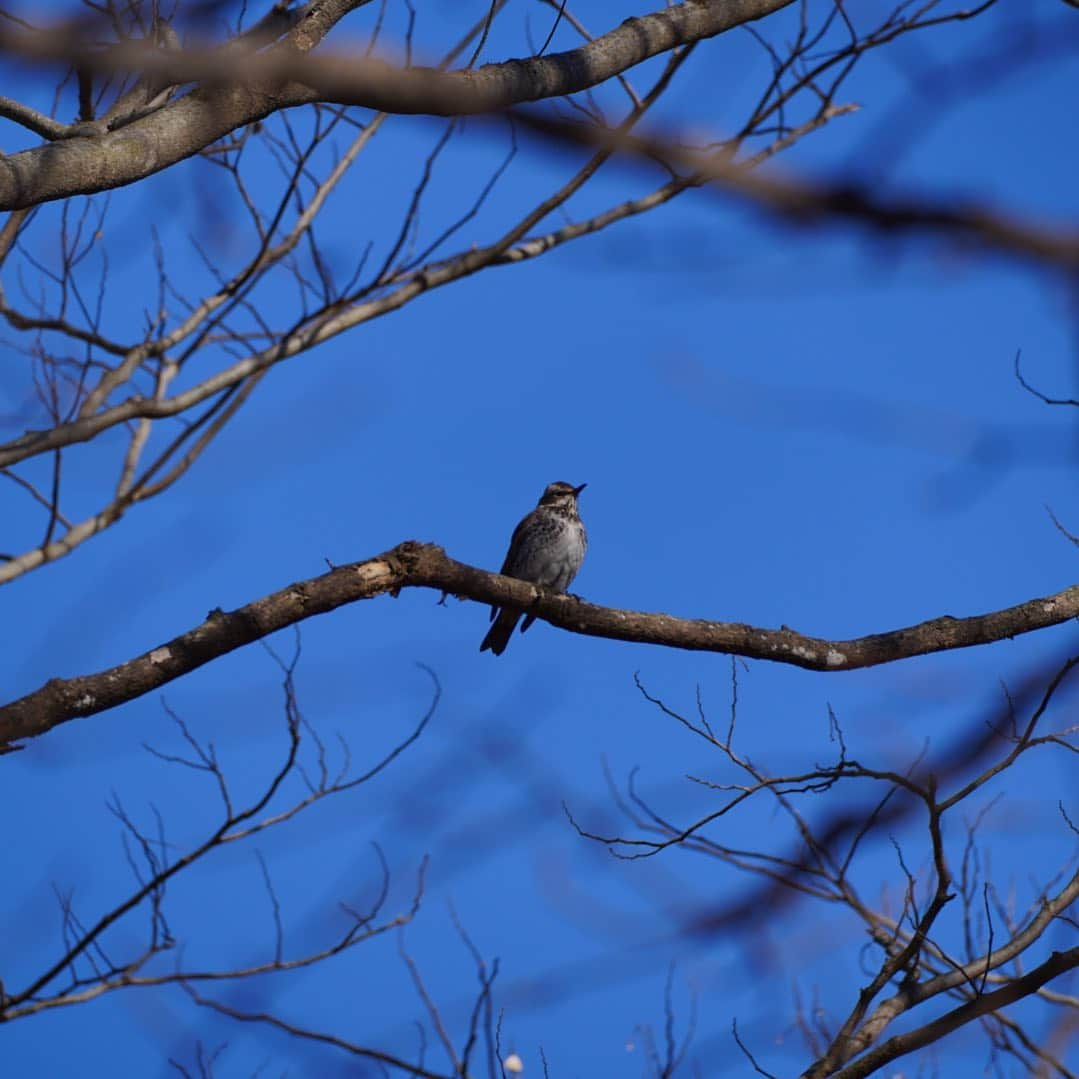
x: 1058, y: 963
x: 30, y: 118
x: 285, y: 76
x: 911, y: 995
x: 424, y: 565
x: 802, y: 201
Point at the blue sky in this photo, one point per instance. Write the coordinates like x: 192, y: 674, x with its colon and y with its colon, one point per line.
x: 818, y: 428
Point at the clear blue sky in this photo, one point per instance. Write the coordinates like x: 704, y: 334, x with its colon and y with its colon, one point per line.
x: 815, y: 428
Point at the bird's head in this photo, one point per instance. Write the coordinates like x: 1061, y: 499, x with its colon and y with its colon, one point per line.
x: 561, y: 494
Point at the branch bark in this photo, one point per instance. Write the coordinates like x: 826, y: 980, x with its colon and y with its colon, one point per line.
x: 285, y: 77
x: 910, y: 996
x: 1058, y: 963
x: 423, y: 565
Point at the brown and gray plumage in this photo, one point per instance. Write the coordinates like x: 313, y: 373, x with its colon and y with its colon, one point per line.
x: 547, y: 549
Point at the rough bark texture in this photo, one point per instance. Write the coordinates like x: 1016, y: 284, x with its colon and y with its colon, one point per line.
x: 284, y: 77
x: 422, y: 565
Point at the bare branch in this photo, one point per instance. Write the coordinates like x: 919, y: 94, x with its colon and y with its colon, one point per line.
x: 803, y: 201
x: 1058, y: 963
x: 418, y: 565
x: 30, y: 118
x: 284, y: 76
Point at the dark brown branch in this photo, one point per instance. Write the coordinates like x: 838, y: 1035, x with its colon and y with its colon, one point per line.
x: 424, y: 565
x: 295, y: 1031
x: 803, y: 201
x: 35, y: 121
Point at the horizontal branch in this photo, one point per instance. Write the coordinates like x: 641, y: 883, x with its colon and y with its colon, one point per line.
x: 424, y: 565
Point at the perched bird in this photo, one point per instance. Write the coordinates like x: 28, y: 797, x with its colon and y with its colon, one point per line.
x: 547, y: 549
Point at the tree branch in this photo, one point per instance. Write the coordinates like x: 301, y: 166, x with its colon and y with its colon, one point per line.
x: 423, y: 565
x: 37, y: 122
x: 803, y: 201
x: 1058, y: 963
x: 284, y: 76
x: 910, y: 996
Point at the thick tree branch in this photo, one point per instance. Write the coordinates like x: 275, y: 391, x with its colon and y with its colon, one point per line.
x: 424, y: 565
x: 805, y: 201
x: 285, y: 76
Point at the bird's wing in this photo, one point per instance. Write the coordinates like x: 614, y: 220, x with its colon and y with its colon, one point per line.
x: 511, y: 567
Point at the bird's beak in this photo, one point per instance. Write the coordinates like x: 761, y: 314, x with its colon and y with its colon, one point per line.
x: 578, y: 490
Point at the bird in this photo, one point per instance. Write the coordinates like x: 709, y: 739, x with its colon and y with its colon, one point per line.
x: 547, y: 549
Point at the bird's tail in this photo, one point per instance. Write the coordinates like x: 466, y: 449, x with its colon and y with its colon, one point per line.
x: 498, y: 636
